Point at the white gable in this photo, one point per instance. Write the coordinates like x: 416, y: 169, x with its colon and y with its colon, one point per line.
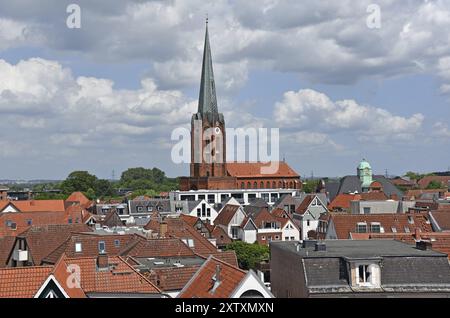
x: 10, y: 209
x: 251, y: 282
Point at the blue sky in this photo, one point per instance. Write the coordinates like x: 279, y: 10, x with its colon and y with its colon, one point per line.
x: 107, y: 96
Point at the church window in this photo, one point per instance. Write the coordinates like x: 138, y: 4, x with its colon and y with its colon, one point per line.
x: 243, y: 185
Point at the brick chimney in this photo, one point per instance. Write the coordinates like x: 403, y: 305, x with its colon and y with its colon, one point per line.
x: 162, y: 229
x: 217, y: 273
x: 417, y: 234
x: 102, y: 261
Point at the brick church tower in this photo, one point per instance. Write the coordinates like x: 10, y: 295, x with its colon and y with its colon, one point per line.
x: 208, y: 137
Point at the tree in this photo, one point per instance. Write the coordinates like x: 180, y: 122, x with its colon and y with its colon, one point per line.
x: 249, y: 255
x: 310, y: 186
x: 103, y: 188
x: 78, y: 181
x: 434, y: 185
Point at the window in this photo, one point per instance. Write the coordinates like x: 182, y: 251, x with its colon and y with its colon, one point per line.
x: 314, y: 203
x: 140, y: 209
x: 366, y: 210
x: 242, y: 185
x: 394, y: 229
x: 364, y: 274
x: 410, y: 220
x: 78, y: 248
x: 70, y: 220
x: 286, y: 238
x: 273, y: 197
x: 277, y: 237
x: 307, y: 223
x: 208, y: 212
x: 407, y: 229
x: 29, y: 222
x: 13, y: 226
x: 101, y: 247
x: 265, y: 197
x: 120, y: 211
x: 361, y: 228
x: 263, y: 238
x: 149, y: 209
x: 292, y: 238
x: 199, y: 212
x: 116, y: 243
x: 375, y: 228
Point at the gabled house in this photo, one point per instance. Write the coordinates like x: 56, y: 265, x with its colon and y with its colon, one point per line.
x: 307, y: 215
x: 289, y: 230
x: 231, y: 218
x: 36, y: 243
x: 218, y: 279
x: 200, y: 209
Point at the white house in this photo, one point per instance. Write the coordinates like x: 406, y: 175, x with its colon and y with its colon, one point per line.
x: 307, y: 215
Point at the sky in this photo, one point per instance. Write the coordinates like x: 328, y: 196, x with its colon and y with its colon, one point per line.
x: 108, y: 95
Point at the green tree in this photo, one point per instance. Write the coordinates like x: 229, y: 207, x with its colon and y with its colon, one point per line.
x: 310, y: 186
x: 249, y: 255
x: 103, y: 188
x: 78, y: 181
x: 435, y: 185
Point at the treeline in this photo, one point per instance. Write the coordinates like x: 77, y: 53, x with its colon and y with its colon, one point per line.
x: 140, y: 181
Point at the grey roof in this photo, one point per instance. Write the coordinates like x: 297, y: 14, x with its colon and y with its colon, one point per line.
x: 163, y: 262
x: 404, y: 268
x: 159, y: 205
x: 351, y: 184
x: 353, y: 249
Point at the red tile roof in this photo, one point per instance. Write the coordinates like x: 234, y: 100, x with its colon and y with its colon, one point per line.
x: 425, y: 181
x: 346, y: 224
x: 226, y: 214
x: 21, y: 220
x: 78, y: 197
x: 202, y: 285
x: 36, y: 205
x: 165, y: 247
x: 254, y: 169
x: 6, y: 245
x: 22, y: 282
x: 178, y: 228
x: 43, y: 240
x: 442, y: 219
x: 221, y: 236
x: 89, y: 245
x: 173, y: 278
x: 305, y: 204
x: 342, y: 201
x: 120, y: 277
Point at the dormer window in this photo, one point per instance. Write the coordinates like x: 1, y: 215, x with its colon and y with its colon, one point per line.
x: 375, y: 227
x: 78, y: 248
x: 394, y: 229
x: 101, y: 247
x: 410, y: 220
x: 149, y: 209
x: 140, y: 209
x: 361, y: 227
x: 407, y: 230
x: 367, y: 275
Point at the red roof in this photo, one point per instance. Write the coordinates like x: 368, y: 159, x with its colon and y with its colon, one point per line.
x: 171, y: 278
x: 165, y: 247
x: 22, y: 282
x: 226, y: 214
x: 22, y: 219
x: 119, y: 277
x: 342, y: 201
x: 43, y: 240
x: 202, y: 284
x: 346, y: 224
x: 6, y: 245
x: 425, y: 181
x: 78, y: 197
x: 442, y: 219
x: 35, y: 205
x: 254, y: 169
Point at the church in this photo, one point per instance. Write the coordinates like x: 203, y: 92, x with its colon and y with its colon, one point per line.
x: 208, y: 136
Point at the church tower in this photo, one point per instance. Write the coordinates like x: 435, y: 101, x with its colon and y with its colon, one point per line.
x: 364, y: 172
x: 208, y: 137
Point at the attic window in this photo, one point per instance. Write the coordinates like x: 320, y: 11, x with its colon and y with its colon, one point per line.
x: 407, y: 229
x: 101, y: 247
x: 140, y: 209
x: 189, y: 242
x: 78, y: 248
x: 410, y: 220
x: 116, y: 243
x: 361, y: 227
x: 375, y: 227
x: 394, y: 229
x: 29, y: 222
x: 149, y: 208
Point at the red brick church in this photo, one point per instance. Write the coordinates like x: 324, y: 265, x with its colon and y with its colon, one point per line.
x: 208, y: 137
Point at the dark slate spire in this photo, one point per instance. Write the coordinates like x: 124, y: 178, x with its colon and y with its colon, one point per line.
x: 207, y: 102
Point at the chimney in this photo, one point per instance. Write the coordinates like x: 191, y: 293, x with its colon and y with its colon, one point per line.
x: 102, y: 261
x: 217, y: 273
x: 423, y: 245
x: 417, y: 233
x: 162, y: 229
x: 320, y: 247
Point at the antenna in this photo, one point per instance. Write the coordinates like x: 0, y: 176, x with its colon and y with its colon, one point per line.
x: 113, y: 175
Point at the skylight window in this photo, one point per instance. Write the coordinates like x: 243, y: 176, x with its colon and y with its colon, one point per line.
x: 78, y: 248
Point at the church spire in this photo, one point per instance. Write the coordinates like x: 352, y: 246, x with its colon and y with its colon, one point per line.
x: 207, y: 102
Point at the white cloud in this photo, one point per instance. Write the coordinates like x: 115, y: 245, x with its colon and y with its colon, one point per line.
x: 441, y: 129
x: 309, y: 109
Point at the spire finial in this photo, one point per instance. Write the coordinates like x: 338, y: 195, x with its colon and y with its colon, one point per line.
x: 206, y: 17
